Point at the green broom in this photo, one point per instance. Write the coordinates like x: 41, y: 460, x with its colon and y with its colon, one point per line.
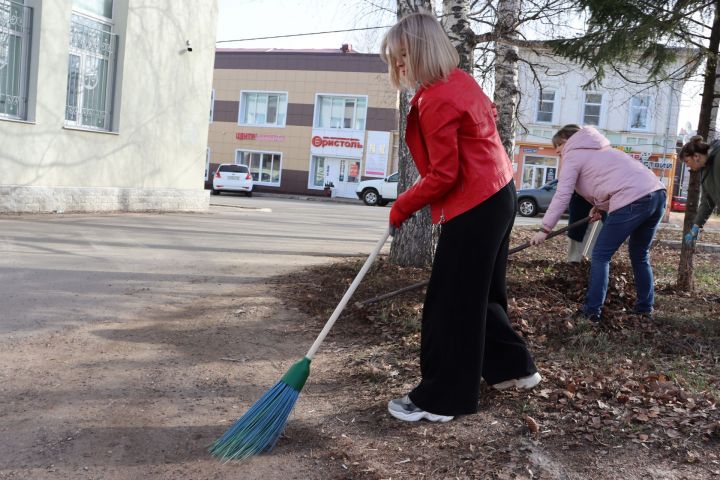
x: 259, y: 429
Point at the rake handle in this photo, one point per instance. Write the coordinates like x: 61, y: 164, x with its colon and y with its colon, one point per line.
x: 552, y: 234
x: 346, y: 298
x: 415, y: 286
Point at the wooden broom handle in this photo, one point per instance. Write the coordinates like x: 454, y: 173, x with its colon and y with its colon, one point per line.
x: 346, y: 298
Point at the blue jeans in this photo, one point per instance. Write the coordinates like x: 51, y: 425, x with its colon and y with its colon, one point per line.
x: 639, y: 221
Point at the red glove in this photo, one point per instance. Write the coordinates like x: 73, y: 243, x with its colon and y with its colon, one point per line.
x: 397, y: 215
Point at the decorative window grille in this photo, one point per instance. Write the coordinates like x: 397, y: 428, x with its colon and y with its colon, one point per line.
x: 341, y: 112
x: 91, y: 73
x: 15, y: 35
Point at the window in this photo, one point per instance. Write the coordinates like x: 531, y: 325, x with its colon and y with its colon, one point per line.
x: 333, y: 111
x: 15, y: 34
x: 536, y: 132
x: 212, y: 105
x: 91, y: 67
x: 640, y: 112
x: 546, y: 106
x: 636, y: 141
x: 592, y: 109
x: 265, y: 109
x: 264, y: 167
x: 101, y: 8
x: 538, y: 171
x: 233, y: 168
x: 318, y: 172
x: 207, y: 163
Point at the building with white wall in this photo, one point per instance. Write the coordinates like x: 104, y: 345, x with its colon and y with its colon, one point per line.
x: 104, y: 104
x: 638, y: 118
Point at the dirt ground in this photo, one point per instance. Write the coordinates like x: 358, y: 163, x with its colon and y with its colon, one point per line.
x: 143, y: 398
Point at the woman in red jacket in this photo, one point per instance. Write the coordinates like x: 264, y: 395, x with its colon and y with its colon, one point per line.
x: 466, y: 178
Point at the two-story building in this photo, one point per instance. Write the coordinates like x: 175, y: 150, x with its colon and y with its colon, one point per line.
x: 104, y: 104
x: 303, y: 119
x: 636, y: 117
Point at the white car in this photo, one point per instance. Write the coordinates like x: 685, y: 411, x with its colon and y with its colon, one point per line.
x: 232, y: 178
x: 378, y: 192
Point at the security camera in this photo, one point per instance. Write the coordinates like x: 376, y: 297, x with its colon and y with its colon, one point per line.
x: 188, y: 45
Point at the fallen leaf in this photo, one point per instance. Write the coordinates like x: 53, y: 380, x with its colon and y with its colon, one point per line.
x: 532, y: 424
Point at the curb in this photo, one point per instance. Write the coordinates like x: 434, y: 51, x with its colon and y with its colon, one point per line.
x: 699, y: 247
x: 310, y: 198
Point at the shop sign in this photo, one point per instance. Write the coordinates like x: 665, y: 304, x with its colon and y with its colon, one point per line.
x: 336, y: 142
x: 260, y: 137
x: 530, y: 150
x: 348, y: 142
x: 378, y: 153
x: 658, y: 165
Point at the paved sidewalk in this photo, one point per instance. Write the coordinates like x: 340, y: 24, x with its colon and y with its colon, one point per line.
x: 678, y: 218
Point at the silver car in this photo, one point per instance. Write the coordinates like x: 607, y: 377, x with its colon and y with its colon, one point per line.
x: 532, y: 201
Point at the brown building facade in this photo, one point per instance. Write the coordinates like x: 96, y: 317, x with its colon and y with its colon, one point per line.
x: 302, y: 120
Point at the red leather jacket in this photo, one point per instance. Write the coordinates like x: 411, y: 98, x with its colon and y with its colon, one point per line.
x: 453, y: 140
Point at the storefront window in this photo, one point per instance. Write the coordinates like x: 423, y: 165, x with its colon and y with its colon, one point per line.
x: 265, y: 167
x: 354, y: 172
x: 538, y: 171
x: 318, y: 173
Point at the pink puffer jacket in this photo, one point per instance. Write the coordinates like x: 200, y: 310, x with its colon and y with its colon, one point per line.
x: 604, y: 176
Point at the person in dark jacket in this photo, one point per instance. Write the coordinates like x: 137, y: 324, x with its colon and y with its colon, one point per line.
x: 701, y: 156
x: 467, y: 179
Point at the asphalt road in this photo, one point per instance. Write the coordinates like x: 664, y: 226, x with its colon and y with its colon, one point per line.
x: 62, y: 270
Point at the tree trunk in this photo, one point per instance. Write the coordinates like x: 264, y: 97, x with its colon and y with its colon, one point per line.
x: 456, y: 20
x: 685, y: 279
x: 412, y: 246
x: 506, y: 71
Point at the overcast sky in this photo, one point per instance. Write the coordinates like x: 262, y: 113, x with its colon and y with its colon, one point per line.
x: 240, y: 19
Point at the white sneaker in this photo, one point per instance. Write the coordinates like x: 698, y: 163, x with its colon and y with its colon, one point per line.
x: 404, y: 409
x: 524, y: 383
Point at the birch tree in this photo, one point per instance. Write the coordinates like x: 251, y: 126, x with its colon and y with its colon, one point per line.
x: 413, y: 244
x: 456, y: 22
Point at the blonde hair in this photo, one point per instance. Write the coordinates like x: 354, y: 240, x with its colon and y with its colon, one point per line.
x: 429, y: 54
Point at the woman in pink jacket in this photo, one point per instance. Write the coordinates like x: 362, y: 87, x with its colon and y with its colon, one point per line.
x: 615, y: 183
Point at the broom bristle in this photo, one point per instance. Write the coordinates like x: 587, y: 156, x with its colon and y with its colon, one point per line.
x: 259, y: 429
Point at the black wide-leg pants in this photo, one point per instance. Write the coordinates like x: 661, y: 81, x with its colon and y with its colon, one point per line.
x: 466, y: 333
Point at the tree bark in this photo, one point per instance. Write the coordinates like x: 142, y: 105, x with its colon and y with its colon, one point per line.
x: 506, y: 71
x: 456, y: 21
x: 685, y: 280
x: 412, y: 246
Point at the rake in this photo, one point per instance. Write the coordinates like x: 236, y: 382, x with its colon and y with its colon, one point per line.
x: 424, y: 283
x: 260, y: 427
